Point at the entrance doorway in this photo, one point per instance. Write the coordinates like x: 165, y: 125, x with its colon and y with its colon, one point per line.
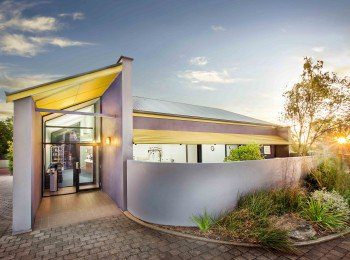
x: 71, y: 153
x: 86, y: 172
x: 72, y: 168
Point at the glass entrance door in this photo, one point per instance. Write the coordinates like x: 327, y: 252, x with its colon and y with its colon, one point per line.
x: 86, y: 168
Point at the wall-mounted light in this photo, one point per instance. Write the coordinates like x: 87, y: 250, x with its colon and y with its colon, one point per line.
x: 108, y: 140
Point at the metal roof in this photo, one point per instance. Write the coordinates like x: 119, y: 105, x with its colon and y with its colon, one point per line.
x: 162, y: 107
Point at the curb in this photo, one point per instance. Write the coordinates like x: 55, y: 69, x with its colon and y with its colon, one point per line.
x: 180, y: 234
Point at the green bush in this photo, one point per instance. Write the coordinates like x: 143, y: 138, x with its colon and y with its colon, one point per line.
x: 9, y: 155
x: 204, y: 221
x: 331, y: 175
x: 244, y: 224
x: 323, y: 214
x: 334, y: 201
x: 276, y: 239
x: 260, y: 203
x: 273, y: 202
x: 288, y: 199
x: 244, y: 153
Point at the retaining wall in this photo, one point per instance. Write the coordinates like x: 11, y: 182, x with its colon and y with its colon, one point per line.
x: 170, y: 193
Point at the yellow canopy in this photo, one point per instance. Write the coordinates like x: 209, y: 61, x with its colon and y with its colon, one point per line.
x: 144, y: 136
x: 70, y: 91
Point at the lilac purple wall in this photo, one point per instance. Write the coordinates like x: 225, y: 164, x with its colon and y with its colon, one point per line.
x: 185, y: 125
x: 171, y: 193
x: 117, y: 100
x: 111, y: 160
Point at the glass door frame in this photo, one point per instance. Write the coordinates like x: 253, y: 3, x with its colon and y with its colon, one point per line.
x: 95, y: 167
x: 96, y: 147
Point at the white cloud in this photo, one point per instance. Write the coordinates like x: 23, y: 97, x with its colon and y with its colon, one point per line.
x: 318, y: 49
x: 34, y: 24
x: 74, y: 16
x: 29, y: 43
x: 200, y: 61
x: 11, y: 83
x: 57, y: 41
x: 218, y: 28
x: 18, y: 44
x: 202, y: 76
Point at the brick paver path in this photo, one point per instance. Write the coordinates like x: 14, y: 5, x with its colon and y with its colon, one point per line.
x: 118, y: 237
x: 5, y: 201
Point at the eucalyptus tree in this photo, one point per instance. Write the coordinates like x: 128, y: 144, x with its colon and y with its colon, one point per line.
x: 319, y: 104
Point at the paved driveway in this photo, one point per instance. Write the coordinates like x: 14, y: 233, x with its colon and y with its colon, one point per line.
x: 118, y: 237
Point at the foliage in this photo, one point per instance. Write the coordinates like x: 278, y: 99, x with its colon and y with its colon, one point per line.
x: 246, y: 225
x: 333, y: 200
x: 9, y: 155
x: 259, y: 203
x: 6, y: 133
x: 321, y: 214
x: 288, y: 200
x: 315, y: 106
x: 276, y: 239
x: 278, y: 201
x: 245, y: 152
x: 204, y: 221
x: 331, y: 175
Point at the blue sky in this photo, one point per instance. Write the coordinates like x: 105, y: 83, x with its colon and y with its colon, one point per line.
x: 236, y: 55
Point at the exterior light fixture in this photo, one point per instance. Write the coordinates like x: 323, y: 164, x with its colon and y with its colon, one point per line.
x: 108, y: 140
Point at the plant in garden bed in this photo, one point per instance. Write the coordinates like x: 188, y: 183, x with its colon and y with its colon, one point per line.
x: 204, y: 221
x: 329, y: 210
x: 287, y: 199
x: 331, y: 175
x: 271, y: 217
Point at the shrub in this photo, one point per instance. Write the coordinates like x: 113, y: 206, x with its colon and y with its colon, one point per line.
x: 330, y: 174
x: 321, y: 214
x: 334, y: 201
x: 10, y: 155
x: 248, y: 226
x: 260, y: 203
x: 241, y: 223
x: 244, y: 153
x: 288, y: 199
x: 204, y: 221
x: 276, y: 239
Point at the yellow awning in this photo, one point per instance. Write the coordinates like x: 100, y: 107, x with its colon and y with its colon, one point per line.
x: 70, y: 91
x: 144, y: 136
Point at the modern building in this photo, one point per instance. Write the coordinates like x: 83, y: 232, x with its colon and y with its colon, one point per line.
x: 77, y: 133
x: 176, y: 132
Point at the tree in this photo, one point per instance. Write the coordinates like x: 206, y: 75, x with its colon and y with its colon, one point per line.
x: 6, y: 133
x: 316, y: 106
x: 9, y: 155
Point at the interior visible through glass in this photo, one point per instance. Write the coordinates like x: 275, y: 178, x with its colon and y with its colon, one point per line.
x: 71, y: 148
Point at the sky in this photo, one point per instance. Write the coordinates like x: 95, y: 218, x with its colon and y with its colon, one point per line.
x: 235, y: 55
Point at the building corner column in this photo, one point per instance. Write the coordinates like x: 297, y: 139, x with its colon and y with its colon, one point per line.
x: 127, y: 121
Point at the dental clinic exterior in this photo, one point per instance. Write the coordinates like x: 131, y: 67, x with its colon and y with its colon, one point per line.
x: 104, y: 138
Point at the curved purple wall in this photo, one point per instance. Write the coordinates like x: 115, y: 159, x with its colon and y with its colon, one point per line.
x: 170, y: 193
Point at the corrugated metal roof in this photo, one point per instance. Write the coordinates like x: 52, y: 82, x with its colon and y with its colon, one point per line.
x: 162, y: 107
